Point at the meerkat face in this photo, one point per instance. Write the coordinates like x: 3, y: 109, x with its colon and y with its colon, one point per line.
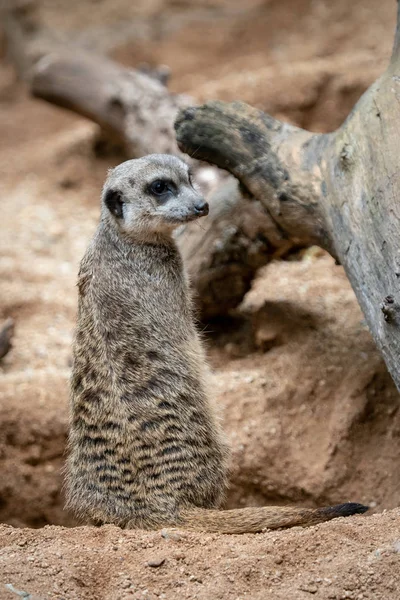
x: 150, y: 195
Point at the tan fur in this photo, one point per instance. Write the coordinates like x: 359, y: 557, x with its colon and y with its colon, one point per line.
x: 146, y: 448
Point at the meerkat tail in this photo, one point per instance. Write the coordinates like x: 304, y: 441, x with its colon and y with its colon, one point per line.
x: 253, y: 520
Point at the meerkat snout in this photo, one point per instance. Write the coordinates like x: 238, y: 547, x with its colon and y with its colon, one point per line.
x: 151, y: 195
x: 201, y: 208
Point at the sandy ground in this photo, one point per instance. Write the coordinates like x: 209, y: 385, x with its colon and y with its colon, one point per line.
x: 310, y: 411
x: 354, y: 558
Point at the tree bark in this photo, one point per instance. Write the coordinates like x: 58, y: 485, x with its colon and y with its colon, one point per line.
x: 223, y: 251
x: 129, y: 105
x: 340, y: 191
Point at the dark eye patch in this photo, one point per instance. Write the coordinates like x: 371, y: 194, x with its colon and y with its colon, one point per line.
x: 113, y: 201
x: 162, y: 188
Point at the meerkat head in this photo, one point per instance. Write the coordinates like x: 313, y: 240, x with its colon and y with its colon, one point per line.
x: 151, y: 195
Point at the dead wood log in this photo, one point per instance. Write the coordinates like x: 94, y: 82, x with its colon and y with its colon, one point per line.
x: 130, y: 105
x: 340, y: 191
x: 222, y: 252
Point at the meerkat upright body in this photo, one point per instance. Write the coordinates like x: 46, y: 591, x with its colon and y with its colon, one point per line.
x: 144, y: 439
x: 146, y: 448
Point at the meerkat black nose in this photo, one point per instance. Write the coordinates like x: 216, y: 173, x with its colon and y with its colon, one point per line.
x: 201, y: 208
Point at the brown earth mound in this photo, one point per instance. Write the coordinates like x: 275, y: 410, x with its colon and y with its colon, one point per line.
x: 355, y: 558
x: 309, y: 408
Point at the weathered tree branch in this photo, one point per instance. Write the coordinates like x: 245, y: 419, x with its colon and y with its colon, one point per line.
x: 223, y: 254
x: 271, y: 159
x: 341, y: 191
x: 224, y: 251
x: 335, y: 190
x: 130, y: 105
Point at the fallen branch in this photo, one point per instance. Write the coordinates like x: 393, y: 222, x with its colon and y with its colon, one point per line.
x: 340, y: 191
x: 225, y: 250
x: 129, y: 105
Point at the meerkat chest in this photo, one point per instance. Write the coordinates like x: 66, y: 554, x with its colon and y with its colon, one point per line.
x: 139, y: 300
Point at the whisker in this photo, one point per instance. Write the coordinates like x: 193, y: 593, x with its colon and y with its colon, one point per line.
x: 194, y: 151
x: 200, y: 227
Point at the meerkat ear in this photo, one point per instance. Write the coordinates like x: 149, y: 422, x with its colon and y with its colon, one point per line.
x: 113, y: 201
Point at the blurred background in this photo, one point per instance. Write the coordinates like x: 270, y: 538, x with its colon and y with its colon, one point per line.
x: 297, y: 353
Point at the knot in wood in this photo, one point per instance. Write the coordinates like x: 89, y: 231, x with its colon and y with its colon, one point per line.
x: 390, y: 309
x: 346, y: 155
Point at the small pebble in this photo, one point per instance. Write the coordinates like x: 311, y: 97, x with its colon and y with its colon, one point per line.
x: 170, y: 535
x: 156, y: 562
x: 310, y: 588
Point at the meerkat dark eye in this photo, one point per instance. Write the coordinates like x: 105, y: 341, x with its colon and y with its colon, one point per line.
x: 114, y: 203
x: 159, y: 187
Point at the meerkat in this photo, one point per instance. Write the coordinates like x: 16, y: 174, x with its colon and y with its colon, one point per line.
x: 146, y: 447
